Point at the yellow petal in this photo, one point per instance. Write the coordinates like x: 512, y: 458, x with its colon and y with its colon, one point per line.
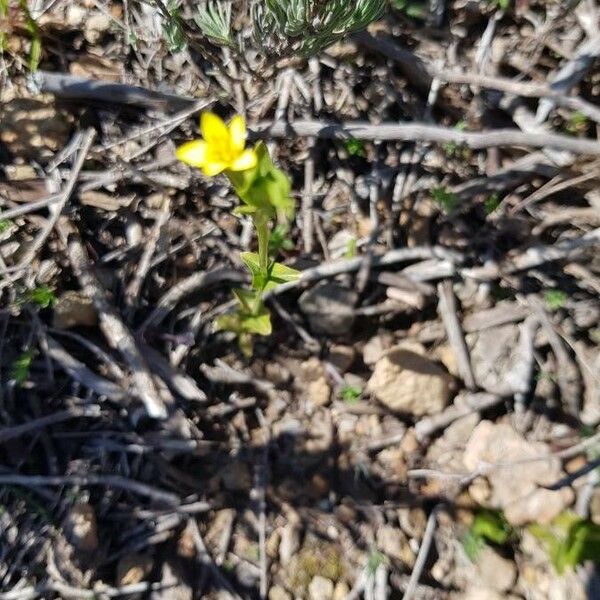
x: 237, y: 131
x: 212, y: 168
x: 192, y: 153
x: 246, y: 160
x: 213, y: 128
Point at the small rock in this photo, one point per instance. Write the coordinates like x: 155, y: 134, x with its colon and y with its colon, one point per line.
x: 320, y: 588
x: 329, y: 308
x: 405, y: 380
x: 279, y: 593
x: 172, y: 585
x: 75, y: 15
x: 133, y: 568
x: 475, y: 592
x: 495, y: 571
x: 95, y: 26
x: 393, y: 543
x: 186, y: 547
x: 493, y: 354
x: 315, y: 383
x: 376, y: 347
x: 341, y: 357
x: 74, y: 309
x: 290, y: 542
x: 341, y: 591
x: 590, y: 414
x: 80, y: 527
x: 446, y: 356
x: 272, y: 544
x: 521, y: 497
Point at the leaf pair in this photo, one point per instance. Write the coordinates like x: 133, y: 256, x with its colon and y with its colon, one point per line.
x: 252, y: 318
x: 277, y: 273
x: 569, y: 540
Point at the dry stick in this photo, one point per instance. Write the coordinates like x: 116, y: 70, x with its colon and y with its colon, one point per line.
x: 474, y: 403
x: 338, y: 267
x: 64, y: 85
x: 192, y: 284
x: 115, y: 481
x: 427, y: 133
x: 30, y: 207
x: 115, y: 331
x: 86, y: 143
x: 448, y: 311
x: 422, y: 555
x: 80, y: 373
x: 207, y: 561
x: 568, y: 376
x: 487, y: 468
x: 89, y: 411
x: 421, y: 74
x: 132, y: 291
x: 533, y: 257
x: 307, y: 200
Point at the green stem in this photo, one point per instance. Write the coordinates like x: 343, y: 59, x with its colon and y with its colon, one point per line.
x: 263, y: 234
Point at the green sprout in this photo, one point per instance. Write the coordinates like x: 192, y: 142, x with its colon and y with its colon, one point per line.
x: 41, y: 296
x: 448, y: 200
x: 411, y: 8
x: 19, y: 370
x: 355, y: 147
x: 350, y: 393
x: 555, y: 299
x: 569, y: 540
x: 492, y: 202
x: 489, y: 527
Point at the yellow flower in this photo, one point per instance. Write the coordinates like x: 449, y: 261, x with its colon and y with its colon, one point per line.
x: 222, y: 149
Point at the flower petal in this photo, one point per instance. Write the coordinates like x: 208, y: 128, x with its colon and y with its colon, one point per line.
x: 213, y: 128
x: 193, y: 153
x: 212, y: 168
x: 237, y: 131
x: 246, y: 160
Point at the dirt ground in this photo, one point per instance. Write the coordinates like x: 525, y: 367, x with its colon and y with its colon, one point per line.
x: 422, y: 422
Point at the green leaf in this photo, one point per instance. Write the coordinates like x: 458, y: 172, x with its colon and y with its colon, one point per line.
x: 355, y: 147
x: 279, y: 239
x: 569, y: 540
x: 492, y: 526
x: 247, y: 298
x: 19, y: 370
x: 445, y: 198
x: 280, y: 273
x: 260, y: 323
x: 350, y: 393
x: 5, y: 225
x: 42, y: 295
x: 555, y: 299
x: 214, y: 20
x: 472, y: 544
x: 492, y: 202
x: 252, y: 261
x: 265, y: 187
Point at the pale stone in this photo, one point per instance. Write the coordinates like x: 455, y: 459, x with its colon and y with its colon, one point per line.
x: 495, y: 571
x: 516, y: 489
x: 405, y: 380
x: 320, y: 588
